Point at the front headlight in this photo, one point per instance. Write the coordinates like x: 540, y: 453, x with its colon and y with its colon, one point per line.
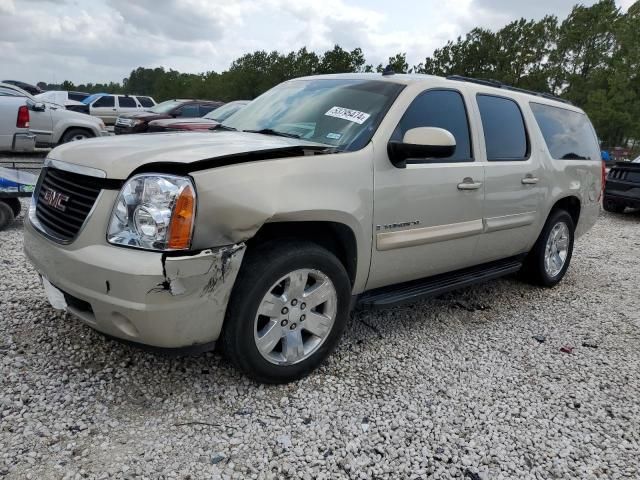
x: 154, y: 212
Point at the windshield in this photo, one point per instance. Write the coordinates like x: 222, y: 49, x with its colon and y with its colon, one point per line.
x: 342, y: 113
x: 93, y: 97
x: 164, y: 107
x: 637, y: 160
x: 220, y: 114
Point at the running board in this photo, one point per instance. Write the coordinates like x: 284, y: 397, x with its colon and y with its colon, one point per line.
x: 392, y: 295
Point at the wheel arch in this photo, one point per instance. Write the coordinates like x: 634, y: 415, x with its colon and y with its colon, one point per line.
x: 571, y: 204
x: 336, y: 237
x: 74, y: 127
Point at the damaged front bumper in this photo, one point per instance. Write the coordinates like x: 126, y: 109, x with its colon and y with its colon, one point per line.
x: 158, y: 299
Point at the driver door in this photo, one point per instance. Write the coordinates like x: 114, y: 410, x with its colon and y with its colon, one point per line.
x: 428, y: 216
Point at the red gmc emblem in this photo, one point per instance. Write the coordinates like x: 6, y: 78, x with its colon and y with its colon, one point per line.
x: 55, y: 199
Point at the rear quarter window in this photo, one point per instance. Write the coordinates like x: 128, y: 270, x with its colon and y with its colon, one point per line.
x: 568, y: 134
x: 146, y: 102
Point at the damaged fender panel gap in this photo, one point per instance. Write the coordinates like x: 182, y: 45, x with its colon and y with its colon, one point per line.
x: 219, y: 265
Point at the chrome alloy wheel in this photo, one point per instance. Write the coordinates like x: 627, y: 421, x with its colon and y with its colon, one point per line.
x: 78, y: 136
x: 295, y: 316
x: 557, y: 249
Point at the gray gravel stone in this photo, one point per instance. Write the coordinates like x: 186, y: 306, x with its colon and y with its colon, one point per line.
x: 444, y: 389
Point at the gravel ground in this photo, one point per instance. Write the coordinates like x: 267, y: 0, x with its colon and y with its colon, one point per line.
x: 455, y: 387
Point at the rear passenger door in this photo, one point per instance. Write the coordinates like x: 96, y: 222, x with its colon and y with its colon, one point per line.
x: 428, y: 216
x: 513, y: 175
x: 126, y: 104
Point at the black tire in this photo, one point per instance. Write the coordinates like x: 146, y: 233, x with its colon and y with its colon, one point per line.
x: 15, y: 205
x: 6, y: 215
x: 73, y: 134
x: 612, y: 206
x: 261, y: 268
x: 533, y: 270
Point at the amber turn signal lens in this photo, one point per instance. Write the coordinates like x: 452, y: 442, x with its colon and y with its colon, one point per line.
x: 182, y: 220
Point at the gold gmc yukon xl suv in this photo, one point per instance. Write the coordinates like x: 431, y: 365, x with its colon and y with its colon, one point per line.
x: 323, y: 194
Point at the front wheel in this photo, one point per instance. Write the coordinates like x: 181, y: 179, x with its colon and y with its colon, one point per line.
x: 550, y: 257
x: 287, y: 311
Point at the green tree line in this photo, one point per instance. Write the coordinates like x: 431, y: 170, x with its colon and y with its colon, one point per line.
x: 591, y: 58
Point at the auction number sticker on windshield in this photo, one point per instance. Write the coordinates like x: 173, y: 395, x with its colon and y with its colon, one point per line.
x: 348, y: 114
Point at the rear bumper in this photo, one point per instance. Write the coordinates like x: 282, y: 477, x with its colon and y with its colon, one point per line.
x: 140, y: 296
x: 23, y: 142
x: 624, y: 193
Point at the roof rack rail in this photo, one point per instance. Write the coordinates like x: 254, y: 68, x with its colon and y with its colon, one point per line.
x: 488, y: 83
x: 498, y: 84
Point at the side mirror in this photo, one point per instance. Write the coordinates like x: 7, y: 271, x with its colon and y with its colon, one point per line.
x: 422, y: 142
x: 37, y: 107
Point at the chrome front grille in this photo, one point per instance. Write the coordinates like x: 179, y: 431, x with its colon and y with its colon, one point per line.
x: 64, y: 200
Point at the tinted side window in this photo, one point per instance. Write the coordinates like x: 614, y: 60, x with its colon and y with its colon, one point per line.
x: 206, y: 108
x: 145, y: 101
x: 106, y: 101
x: 126, y: 102
x: 504, y: 132
x: 568, y: 135
x: 442, y: 109
x: 188, y: 111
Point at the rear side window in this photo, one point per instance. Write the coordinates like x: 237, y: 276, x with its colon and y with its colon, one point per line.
x: 206, y: 108
x: 568, y: 135
x: 106, y: 101
x: 127, y: 102
x: 188, y: 111
x: 442, y: 109
x: 145, y: 101
x: 504, y: 133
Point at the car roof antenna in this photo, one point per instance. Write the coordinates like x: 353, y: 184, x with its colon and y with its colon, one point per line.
x: 388, y: 70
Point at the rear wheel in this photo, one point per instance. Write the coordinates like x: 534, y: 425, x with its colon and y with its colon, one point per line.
x: 6, y: 215
x: 550, y: 257
x: 612, y: 206
x: 75, y: 134
x: 287, y: 312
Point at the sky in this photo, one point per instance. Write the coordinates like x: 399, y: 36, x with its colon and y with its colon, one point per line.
x: 103, y: 40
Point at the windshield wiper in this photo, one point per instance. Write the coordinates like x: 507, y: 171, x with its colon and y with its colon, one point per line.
x: 220, y: 126
x: 271, y: 131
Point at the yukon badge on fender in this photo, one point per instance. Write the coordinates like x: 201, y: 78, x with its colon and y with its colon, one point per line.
x: 322, y: 194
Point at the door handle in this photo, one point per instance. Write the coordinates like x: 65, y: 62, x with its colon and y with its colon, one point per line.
x: 530, y: 180
x: 469, y: 184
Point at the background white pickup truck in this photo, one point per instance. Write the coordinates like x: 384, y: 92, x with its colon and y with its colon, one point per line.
x: 40, y: 124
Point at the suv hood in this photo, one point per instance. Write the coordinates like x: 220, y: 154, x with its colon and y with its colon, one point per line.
x: 120, y: 156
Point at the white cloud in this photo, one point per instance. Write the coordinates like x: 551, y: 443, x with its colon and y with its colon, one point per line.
x: 103, y: 40
x: 7, y: 6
